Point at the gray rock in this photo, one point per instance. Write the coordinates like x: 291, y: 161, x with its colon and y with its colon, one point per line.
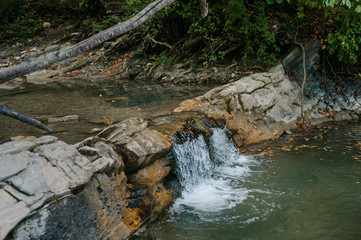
x: 31, y: 181
x: 146, y: 147
x: 11, y: 216
x: 6, y: 199
x: 100, y: 164
x: 102, y: 156
x: 293, y: 61
x: 32, y: 202
x: 16, y: 147
x: 263, y: 98
x: 122, y: 132
x: 11, y: 165
x: 90, y: 152
x: 45, y: 139
x: 55, y: 178
x: 75, y: 167
x: 30, y: 229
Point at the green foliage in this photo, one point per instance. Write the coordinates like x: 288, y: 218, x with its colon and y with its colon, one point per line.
x: 92, y: 7
x: 213, y: 58
x: 252, y: 25
x: 231, y: 17
x: 345, y: 40
x: 343, y: 18
x: 344, y: 22
x: 12, y: 23
x: 104, y: 23
x: 23, y: 18
x: 162, y: 59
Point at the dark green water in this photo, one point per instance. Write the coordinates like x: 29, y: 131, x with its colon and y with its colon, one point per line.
x: 310, y: 192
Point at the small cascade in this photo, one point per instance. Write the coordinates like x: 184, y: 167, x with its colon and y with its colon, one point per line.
x: 210, y: 175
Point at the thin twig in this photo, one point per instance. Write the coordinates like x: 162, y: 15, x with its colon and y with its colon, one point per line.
x: 334, y: 74
x: 160, y: 43
x: 304, y: 71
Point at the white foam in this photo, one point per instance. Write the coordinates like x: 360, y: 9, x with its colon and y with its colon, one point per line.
x: 210, y: 183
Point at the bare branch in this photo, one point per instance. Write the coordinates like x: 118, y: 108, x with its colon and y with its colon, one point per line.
x: 46, y: 60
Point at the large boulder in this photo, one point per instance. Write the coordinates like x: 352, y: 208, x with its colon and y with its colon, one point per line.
x: 256, y: 108
x: 35, y: 172
x: 144, y: 148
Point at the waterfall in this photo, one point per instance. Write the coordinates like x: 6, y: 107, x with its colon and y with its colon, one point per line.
x: 211, y: 180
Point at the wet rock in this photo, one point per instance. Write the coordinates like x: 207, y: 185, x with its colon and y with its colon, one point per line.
x: 107, y: 199
x: 152, y: 174
x: 145, y: 147
x: 162, y: 200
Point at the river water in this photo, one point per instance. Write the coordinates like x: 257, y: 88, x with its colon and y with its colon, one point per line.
x: 304, y: 186
x: 92, y: 105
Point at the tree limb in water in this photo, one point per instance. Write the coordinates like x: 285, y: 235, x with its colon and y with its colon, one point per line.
x: 47, y: 59
x: 21, y: 117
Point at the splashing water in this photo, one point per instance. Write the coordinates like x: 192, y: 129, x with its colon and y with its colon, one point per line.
x: 211, y: 182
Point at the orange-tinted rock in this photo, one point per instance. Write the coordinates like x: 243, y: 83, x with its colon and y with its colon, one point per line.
x: 162, y: 200
x: 152, y: 174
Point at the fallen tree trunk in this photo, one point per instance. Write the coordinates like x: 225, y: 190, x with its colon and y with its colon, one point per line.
x: 21, y: 117
x: 46, y: 60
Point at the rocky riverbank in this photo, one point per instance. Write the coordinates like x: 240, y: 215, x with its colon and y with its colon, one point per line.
x: 110, y: 185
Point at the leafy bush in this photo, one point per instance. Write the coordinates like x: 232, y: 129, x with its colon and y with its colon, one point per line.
x: 104, y: 23
x: 233, y: 18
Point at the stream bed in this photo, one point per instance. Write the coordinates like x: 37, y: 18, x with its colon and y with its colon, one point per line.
x: 303, y: 186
